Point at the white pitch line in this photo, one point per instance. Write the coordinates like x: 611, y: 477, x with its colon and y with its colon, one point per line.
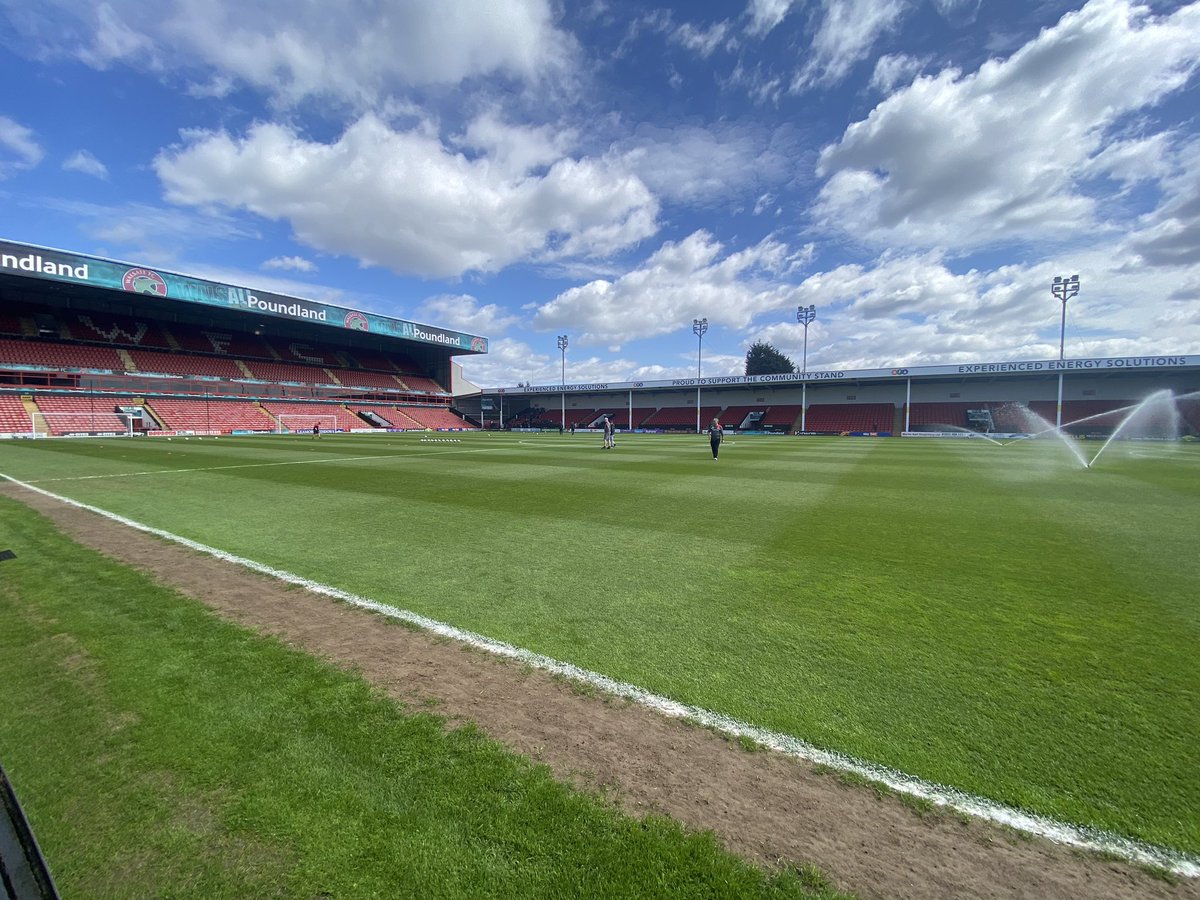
x: 1081, y: 836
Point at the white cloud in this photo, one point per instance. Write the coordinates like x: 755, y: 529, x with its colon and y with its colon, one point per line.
x: 464, y: 313
x: 86, y: 164
x: 702, y: 41
x: 293, y: 263
x: 848, y: 31
x: 516, y: 149
x: 958, y: 12
x: 142, y: 231
x: 698, y: 165
x: 1132, y: 161
x: 115, y: 41
x: 914, y: 309
x: 19, y: 150
x: 404, y: 201
x: 766, y: 14
x: 688, y: 279
x: 893, y: 69
x: 762, y: 86
x: 357, y: 50
x: 507, y: 362
x: 1170, y: 235
x: 965, y: 160
x: 764, y: 202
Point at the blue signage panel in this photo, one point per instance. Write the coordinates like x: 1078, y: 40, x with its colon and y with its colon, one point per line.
x: 55, y: 265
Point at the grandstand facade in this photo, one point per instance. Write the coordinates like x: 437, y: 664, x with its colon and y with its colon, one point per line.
x: 97, y: 346
x: 999, y: 397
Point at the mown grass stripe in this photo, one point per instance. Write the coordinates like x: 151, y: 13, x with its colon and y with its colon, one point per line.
x: 1083, y: 837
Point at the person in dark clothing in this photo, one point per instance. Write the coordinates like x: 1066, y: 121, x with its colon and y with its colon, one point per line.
x: 317, y: 430
x: 715, y: 433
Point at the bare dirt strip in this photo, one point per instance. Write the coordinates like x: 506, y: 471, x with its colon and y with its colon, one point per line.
x: 771, y: 809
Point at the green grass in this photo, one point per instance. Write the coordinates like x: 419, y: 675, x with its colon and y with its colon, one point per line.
x: 159, y: 751
x: 994, y: 618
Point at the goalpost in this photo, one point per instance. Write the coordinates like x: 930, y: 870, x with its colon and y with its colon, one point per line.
x: 288, y: 423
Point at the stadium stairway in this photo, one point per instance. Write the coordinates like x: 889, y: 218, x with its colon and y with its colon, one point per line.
x: 39, y: 424
x: 266, y: 412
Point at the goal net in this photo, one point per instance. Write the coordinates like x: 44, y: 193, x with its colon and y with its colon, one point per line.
x: 294, y: 424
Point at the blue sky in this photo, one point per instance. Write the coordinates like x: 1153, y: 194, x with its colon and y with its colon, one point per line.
x: 919, y: 170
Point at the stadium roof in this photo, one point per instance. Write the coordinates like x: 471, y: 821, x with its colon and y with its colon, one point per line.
x: 1121, y: 365
x: 26, y: 264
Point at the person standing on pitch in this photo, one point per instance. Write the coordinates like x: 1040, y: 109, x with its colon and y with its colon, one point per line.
x: 608, y: 433
x: 715, y: 433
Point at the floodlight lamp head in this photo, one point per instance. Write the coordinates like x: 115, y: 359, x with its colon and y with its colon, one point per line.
x: 1065, y: 288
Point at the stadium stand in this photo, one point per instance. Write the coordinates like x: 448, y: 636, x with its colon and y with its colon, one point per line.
x: 368, y: 359
x: 435, y: 417
x: 11, y: 323
x: 57, y: 355
x: 116, y: 330
x: 736, y: 416
x: 223, y: 416
x: 842, y: 417
x: 184, y: 364
x: 1005, y: 417
x: 639, y: 415
x: 595, y: 419
x: 289, y: 373
x: 1099, y: 416
x: 579, y: 418
x: 14, y: 417
x: 391, y: 416
x: 1189, y: 411
x: 194, y: 339
x: 784, y: 416
x: 421, y: 383
x: 304, y: 352
x: 75, y: 415
x: 363, y: 379
x: 922, y: 415
x: 524, y: 418
x: 680, y: 417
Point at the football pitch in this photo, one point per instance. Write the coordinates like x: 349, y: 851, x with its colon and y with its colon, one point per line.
x: 992, y: 618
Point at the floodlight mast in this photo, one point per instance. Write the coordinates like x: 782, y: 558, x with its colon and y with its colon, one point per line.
x: 699, y: 326
x: 1063, y: 289
x: 562, y: 346
x: 805, y: 315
